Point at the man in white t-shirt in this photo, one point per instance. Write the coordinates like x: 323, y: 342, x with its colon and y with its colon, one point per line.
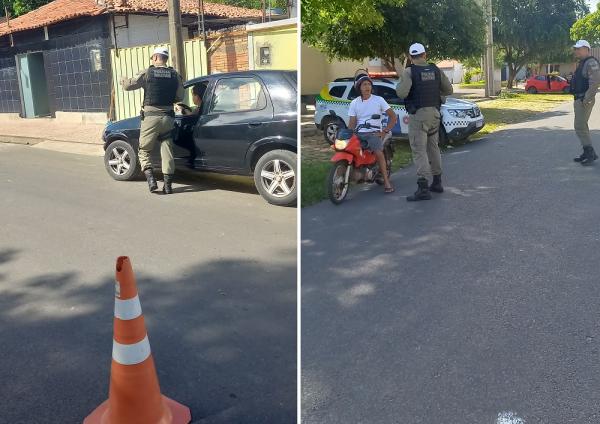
x: 361, y: 110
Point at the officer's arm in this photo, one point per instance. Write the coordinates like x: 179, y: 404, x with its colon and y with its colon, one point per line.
x: 134, y: 83
x: 403, y: 87
x: 446, y: 86
x: 593, y: 72
x: 180, y: 90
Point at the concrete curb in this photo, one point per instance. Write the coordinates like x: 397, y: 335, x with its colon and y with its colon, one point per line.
x: 64, y: 146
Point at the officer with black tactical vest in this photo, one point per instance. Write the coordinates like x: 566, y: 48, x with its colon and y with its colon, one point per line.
x: 162, y: 88
x: 584, y: 86
x: 422, y: 86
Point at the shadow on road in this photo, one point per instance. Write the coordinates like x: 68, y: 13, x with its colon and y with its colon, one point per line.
x: 224, y: 347
x: 479, y: 300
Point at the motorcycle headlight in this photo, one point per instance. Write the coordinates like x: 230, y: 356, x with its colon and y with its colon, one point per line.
x: 458, y: 113
x: 341, y: 144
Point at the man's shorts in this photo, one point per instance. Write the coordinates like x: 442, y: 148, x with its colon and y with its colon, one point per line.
x: 374, y: 142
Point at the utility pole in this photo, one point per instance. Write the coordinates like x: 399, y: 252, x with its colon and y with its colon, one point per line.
x: 176, y: 39
x: 264, y: 6
x: 489, y: 50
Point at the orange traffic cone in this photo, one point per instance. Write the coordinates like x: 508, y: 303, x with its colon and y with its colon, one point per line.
x: 134, y: 395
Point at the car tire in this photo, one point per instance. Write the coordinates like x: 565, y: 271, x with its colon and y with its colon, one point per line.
x: 330, y: 129
x: 275, y: 177
x: 121, y: 161
x: 567, y: 90
x: 532, y: 90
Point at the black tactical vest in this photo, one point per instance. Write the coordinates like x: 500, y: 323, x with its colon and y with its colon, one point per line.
x: 579, y: 83
x: 161, y: 86
x: 425, y: 89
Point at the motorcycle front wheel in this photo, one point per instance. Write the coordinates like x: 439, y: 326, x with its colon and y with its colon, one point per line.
x: 337, y: 182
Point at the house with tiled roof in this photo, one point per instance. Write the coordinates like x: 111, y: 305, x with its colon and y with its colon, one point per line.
x: 55, y: 60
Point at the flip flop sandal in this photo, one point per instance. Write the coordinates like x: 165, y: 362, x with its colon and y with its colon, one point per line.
x: 389, y: 190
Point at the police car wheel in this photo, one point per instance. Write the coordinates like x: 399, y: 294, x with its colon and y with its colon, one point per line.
x: 275, y: 177
x: 330, y: 129
x: 120, y: 161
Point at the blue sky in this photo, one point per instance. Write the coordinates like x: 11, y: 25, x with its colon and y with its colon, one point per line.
x: 592, y: 4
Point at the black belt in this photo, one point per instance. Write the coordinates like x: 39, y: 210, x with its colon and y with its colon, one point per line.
x: 145, y: 113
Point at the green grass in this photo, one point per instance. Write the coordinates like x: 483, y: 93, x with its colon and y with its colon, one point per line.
x: 508, y: 109
x: 518, y: 107
x: 478, y: 84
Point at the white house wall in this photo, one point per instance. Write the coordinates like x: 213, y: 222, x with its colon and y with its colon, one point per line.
x: 143, y: 30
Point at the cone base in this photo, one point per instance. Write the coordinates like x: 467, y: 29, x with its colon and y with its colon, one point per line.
x: 181, y: 414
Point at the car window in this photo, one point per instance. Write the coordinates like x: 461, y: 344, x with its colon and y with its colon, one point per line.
x: 337, y: 91
x: 353, y: 94
x: 387, y: 93
x: 238, y: 94
x: 541, y: 78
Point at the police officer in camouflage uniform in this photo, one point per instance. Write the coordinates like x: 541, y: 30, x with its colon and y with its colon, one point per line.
x: 162, y: 88
x: 422, y: 86
x: 584, y: 86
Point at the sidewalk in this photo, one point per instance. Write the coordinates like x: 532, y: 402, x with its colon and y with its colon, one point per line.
x: 48, y: 133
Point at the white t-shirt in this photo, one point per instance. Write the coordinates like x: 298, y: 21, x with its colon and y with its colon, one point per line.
x: 364, y: 109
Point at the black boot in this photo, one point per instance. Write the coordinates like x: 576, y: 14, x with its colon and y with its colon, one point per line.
x: 167, y: 189
x: 422, y: 192
x: 580, y: 157
x: 150, y: 178
x: 436, y: 185
x: 590, y: 155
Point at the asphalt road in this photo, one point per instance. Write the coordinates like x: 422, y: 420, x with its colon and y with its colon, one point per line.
x: 216, y: 272
x: 480, y: 306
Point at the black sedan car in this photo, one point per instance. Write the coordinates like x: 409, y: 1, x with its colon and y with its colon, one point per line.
x: 246, y: 125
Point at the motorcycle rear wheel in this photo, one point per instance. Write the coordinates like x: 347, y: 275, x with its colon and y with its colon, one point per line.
x: 337, y: 182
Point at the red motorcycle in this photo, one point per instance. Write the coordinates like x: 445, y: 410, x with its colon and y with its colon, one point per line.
x: 353, y: 162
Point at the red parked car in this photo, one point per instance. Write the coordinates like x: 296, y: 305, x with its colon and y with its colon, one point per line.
x: 546, y: 84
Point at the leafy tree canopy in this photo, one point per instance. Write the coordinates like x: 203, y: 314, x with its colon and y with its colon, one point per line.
x: 346, y: 29
x: 529, y: 31
x: 587, y: 28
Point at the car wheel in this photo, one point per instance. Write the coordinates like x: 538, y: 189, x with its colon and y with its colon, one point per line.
x: 567, y: 90
x: 275, y: 177
x: 330, y: 129
x: 120, y: 160
x: 532, y: 90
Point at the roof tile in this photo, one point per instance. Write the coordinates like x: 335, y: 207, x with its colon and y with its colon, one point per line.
x: 63, y: 10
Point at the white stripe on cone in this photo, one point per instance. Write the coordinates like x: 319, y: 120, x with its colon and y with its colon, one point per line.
x: 128, y: 309
x: 131, y: 354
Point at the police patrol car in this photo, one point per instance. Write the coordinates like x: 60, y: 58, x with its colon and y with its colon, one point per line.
x: 460, y: 118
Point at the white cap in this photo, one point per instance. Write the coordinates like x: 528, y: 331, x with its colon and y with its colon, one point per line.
x: 416, y: 49
x: 582, y: 43
x: 161, y: 50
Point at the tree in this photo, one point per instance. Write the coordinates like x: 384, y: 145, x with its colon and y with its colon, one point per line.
x: 343, y: 30
x: 528, y: 31
x: 587, y: 28
x: 21, y: 7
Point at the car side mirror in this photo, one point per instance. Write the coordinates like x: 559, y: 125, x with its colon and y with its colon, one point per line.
x: 376, y: 116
